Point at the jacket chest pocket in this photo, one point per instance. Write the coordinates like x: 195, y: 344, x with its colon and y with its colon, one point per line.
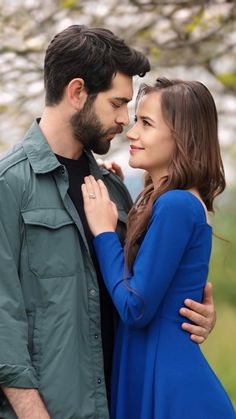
x: 51, y: 242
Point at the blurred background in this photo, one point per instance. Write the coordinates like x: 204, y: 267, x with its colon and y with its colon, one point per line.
x: 185, y: 39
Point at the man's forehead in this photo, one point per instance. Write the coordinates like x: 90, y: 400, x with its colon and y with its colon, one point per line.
x: 121, y: 87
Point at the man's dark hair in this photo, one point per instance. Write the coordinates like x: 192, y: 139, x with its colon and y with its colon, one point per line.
x: 93, y: 54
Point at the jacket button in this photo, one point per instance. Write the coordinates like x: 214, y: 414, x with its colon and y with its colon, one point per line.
x: 62, y: 170
x: 95, y: 336
x: 92, y: 292
x: 99, y: 380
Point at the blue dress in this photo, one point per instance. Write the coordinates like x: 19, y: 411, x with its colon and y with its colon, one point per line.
x: 158, y: 372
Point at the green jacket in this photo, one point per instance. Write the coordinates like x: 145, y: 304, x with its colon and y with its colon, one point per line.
x: 50, y: 335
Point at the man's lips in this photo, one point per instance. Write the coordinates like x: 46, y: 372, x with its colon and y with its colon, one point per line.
x: 112, y: 134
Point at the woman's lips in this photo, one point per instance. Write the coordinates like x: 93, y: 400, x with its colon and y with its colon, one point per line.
x: 133, y: 149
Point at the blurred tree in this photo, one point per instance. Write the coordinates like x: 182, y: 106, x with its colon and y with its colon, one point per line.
x: 172, y: 33
x: 195, y: 38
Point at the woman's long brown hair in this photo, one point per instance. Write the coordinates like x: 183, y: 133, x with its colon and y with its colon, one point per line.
x: 189, y: 110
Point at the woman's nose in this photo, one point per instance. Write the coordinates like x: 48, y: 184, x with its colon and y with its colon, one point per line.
x: 132, y: 134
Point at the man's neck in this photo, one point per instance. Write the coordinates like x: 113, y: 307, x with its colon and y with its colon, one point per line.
x: 55, y: 127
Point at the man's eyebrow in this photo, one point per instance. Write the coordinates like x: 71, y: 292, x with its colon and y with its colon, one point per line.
x: 122, y: 99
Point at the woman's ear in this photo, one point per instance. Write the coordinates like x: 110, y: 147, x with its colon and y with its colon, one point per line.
x: 76, y: 93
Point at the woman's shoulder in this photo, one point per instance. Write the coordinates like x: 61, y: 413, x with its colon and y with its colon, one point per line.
x: 182, y: 202
x: 176, y: 197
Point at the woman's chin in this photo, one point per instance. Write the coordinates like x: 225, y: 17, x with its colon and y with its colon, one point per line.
x: 134, y: 165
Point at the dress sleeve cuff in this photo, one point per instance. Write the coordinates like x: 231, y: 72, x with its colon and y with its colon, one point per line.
x: 107, y: 235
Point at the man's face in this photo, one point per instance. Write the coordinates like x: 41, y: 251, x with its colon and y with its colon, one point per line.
x: 103, y: 117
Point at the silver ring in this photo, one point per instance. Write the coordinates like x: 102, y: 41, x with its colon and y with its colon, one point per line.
x: 92, y: 195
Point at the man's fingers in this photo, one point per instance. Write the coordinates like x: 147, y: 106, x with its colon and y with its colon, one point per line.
x: 193, y: 317
x: 194, y: 330
x: 208, y: 296
x: 201, y: 314
x: 194, y: 306
x: 197, y: 339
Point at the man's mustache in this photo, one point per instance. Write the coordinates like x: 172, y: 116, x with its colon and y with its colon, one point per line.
x: 114, y: 131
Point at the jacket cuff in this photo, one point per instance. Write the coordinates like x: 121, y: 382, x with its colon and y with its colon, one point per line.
x: 19, y: 376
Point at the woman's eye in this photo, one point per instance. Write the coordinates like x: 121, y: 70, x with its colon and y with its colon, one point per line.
x: 145, y: 123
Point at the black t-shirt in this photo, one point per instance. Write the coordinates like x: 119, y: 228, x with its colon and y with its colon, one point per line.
x: 77, y: 170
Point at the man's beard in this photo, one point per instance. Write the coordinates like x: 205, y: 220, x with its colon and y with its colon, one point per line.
x: 88, y: 129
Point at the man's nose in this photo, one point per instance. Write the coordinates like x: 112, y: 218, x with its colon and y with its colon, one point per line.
x: 123, y: 118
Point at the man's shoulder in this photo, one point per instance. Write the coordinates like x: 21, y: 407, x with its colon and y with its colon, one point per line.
x: 12, y: 158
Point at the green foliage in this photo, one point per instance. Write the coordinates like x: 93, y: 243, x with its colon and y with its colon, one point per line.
x: 228, y: 79
x: 223, y: 261
x: 145, y: 34
x: 155, y: 52
x: 219, y: 348
x: 189, y: 27
x: 68, y: 4
x: 3, y: 108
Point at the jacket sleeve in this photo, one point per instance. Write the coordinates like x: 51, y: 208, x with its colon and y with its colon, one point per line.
x: 138, y: 297
x: 15, y: 364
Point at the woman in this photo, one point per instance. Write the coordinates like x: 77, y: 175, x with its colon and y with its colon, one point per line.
x: 158, y: 372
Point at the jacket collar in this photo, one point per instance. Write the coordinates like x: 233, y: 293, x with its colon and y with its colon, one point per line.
x: 38, y: 151
x: 42, y: 158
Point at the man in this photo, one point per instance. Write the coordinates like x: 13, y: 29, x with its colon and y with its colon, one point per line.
x: 56, y: 318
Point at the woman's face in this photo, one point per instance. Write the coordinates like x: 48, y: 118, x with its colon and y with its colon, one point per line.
x: 151, y: 143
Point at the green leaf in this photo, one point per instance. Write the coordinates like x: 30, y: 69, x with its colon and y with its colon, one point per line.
x: 68, y: 4
x: 189, y: 27
x: 155, y: 52
x: 3, y: 108
x: 227, y: 79
x: 145, y: 34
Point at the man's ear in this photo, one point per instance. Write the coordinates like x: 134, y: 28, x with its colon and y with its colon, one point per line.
x: 77, y: 93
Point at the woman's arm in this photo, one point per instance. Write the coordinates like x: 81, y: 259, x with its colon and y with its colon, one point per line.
x: 138, y: 299
x: 169, y: 231
x: 101, y: 214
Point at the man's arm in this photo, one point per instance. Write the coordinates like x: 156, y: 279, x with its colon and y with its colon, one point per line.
x: 18, y: 378
x: 26, y: 403
x: 202, y: 315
